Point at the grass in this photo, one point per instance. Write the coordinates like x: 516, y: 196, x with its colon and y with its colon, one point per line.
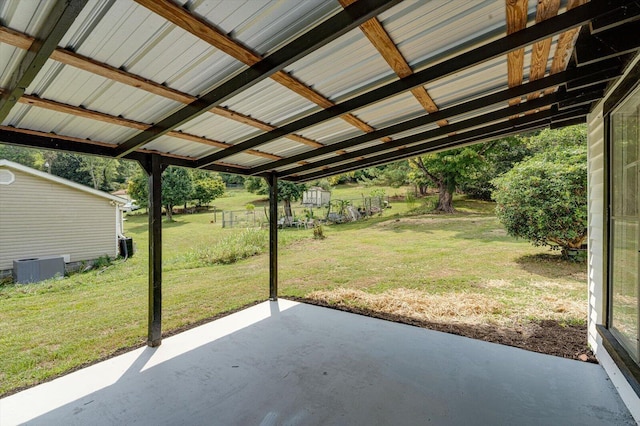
x: 461, y: 267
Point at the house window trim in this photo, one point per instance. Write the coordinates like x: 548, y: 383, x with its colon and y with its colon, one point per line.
x: 12, y: 177
x: 629, y: 368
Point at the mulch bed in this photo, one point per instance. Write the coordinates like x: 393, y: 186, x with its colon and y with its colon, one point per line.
x: 546, y: 336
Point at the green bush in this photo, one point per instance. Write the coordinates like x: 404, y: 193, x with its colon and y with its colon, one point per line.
x: 544, y: 199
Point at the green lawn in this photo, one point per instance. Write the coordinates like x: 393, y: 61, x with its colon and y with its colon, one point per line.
x: 465, y: 261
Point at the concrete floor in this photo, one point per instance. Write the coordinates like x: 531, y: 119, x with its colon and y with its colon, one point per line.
x: 284, y: 363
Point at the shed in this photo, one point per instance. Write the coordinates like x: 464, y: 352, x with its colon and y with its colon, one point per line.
x: 316, y: 197
x: 46, y: 215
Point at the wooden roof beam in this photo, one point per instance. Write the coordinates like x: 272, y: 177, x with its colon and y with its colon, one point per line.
x: 556, y: 25
x: 564, y: 47
x: 516, y: 11
x: 64, y: 56
x: 540, y: 53
x: 44, y: 140
x: 492, y: 131
x: 119, y: 121
x: 202, y: 29
x: 459, y: 126
x: 56, y: 24
x: 381, y: 40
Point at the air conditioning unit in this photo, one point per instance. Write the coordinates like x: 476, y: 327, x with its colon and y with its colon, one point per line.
x: 37, y: 269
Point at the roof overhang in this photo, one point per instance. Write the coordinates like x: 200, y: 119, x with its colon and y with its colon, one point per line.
x: 301, y: 89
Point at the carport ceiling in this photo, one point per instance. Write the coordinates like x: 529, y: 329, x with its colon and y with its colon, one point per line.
x: 302, y: 89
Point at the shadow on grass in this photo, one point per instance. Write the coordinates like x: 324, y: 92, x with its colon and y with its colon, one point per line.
x: 550, y: 265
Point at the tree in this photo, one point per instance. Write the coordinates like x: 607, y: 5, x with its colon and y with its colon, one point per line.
x: 499, y: 159
x: 25, y: 156
x: 447, y: 170
x: 287, y: 191
x: 103, y: 171
x: 177, y: 188
x: 207, y: 186
x: 544, y: 198
x: 70, y: 166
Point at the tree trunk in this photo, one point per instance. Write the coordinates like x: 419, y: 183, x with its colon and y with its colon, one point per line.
x: 445, y: 198
x: 169, y: 209
x: 287, y: 208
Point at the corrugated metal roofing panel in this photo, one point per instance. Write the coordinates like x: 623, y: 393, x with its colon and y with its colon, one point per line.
x: 482, y: 78
x: 182, y: 147
x: 25, y: 16
x: 28, y: 117
x: 219, y: 128
x: 11, y: 58
x: 346, y: 65
x: 75, y: 87
x: 441, y: 25
x: 246, y: 160
x: 131, y: 37
x: 272, y: 103
x: 391, y: 111
x: 264, y: 25
x: 331, y: 131
x: 284, y: 147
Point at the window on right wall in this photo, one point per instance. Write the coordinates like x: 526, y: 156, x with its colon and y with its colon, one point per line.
x: 624, y: 226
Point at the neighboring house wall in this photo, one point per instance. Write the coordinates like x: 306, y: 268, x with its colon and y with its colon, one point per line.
x: 44, y: 218
x: 597, y: 281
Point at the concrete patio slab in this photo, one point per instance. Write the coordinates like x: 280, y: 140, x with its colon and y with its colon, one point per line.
x: 285, y: 363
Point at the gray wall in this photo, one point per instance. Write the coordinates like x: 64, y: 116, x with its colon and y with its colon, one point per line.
x: 43, y: 218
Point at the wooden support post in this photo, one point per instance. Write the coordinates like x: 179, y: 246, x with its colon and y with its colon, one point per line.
x: 272, y: 180
x: 154, y: 169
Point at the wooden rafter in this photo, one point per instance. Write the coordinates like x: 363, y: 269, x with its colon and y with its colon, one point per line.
x: 132, y: 124
x: 55, y: 136
x: 540, y: 53
x: 181, y: 17
x: 516, y: 20
x: 381, y: 40
x: 23, y: 41
x: 57, y: 22
x: 564, y: 47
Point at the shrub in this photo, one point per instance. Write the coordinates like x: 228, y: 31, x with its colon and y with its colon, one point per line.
x: 318, y: 231
x: 544, y: 199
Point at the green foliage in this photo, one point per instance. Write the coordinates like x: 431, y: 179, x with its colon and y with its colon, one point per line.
x: 206, y: 187
x: 544, y: 199
x: 102, y: 171
x: 177, y: 187
x: 138, y: 188
x: 230, y: 179
x: 287, y: 191
x: 70, y: 166
x: 318, y: 231
x: 102, y: 262
x: 394, y: 175
x: 20, y: 155
x: 322, y: 183
x: 498, y: 159
x: 249, y: 207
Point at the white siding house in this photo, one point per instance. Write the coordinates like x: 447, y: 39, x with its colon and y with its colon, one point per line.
x: 45, y: 215
x: 614, y: 234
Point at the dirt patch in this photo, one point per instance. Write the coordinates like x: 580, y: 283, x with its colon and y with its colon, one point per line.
x: 461, y: 316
